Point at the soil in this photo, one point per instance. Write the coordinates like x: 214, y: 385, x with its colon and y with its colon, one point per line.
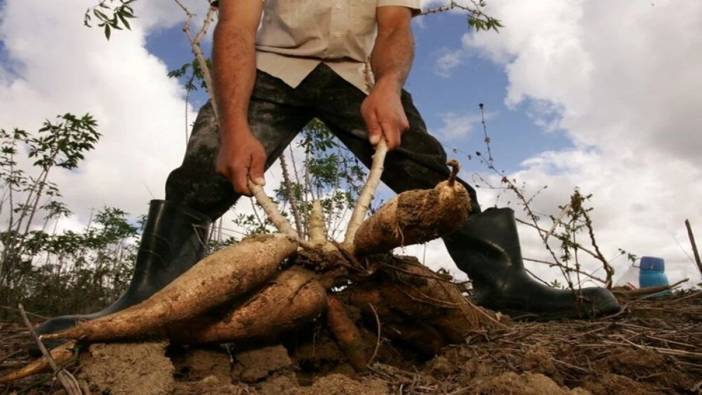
x: 652, y: 347
x: 128, y: 368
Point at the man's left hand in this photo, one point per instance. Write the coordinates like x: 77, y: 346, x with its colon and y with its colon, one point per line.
x: 384, y: 115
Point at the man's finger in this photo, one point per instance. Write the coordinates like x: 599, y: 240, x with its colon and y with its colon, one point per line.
x: 239, y: 180
x: 392, y: 135
x: 404, y: 124
x: 258, y: 163
x: 375, y: 131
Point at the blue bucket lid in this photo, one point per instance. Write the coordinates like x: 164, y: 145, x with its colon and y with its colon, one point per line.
x: 652, y: 264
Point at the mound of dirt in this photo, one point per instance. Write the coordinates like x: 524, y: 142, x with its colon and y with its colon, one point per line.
x: 526, y: 384
x: 339, y: 384
x: 128, y: 368
x: 652, y: 347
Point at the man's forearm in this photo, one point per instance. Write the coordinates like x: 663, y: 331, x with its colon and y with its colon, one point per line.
x: 234, y: 64
x: 392, y: 57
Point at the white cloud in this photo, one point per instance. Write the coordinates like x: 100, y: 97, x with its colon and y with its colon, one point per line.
x: 60, y: 66
x: 622, y: 79
x: 447, y: 61
x: 460, y: 126
x: 457, y: 125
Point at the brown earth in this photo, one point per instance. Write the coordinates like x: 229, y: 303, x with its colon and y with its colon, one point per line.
x: 652, y: 347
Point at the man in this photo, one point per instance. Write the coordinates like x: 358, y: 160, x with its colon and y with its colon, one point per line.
x: 277, y: 65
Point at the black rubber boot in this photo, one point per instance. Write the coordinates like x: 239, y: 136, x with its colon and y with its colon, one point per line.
x: 173, y: 241
x: 487, y: 249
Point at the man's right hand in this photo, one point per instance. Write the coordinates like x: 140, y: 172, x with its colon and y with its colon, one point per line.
x: 241, y: 158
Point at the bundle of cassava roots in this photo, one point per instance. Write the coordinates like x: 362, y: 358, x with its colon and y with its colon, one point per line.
x: 268, y: 285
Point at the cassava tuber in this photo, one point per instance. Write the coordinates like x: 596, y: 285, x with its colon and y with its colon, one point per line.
x: 211, y: 282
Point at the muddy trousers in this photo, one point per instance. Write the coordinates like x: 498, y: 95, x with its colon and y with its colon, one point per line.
x: 277, y: 113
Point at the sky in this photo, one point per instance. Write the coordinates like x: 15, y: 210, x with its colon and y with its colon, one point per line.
x: 602, y: 96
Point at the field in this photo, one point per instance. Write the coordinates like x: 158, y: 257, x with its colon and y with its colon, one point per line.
x: 651, y: 347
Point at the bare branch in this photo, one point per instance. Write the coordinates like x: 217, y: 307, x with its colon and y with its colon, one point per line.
x: 197, y: 50
x: 67, y: 380
x: 291, y: 196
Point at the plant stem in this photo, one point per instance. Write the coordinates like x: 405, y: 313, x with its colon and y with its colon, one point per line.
x: 366, y: 196
x: 694, y: 245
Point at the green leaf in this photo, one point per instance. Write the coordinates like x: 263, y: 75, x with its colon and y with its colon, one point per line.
x: 124, y: 21
x: 100, y: 15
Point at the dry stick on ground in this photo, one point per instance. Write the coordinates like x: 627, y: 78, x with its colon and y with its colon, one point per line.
x: 16, y: 310
x: 229, y: 272
x: 643, y: 292
x: 69, y: 383
x: 366, y: 196
x: 59, y: 355
x: 694, y: 245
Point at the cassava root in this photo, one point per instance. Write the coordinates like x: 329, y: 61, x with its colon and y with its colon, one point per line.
x: 292, y: 298
x: 60, y: 355
x: 211, y: 282
x: 415, y: 216
x: 346, y: 334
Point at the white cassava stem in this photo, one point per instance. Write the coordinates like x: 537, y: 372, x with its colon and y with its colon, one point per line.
x: 316, y: 224
x: 271, y: 211
x: 366, y: 195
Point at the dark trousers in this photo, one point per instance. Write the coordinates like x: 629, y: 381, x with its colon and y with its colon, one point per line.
x: 278, y: 112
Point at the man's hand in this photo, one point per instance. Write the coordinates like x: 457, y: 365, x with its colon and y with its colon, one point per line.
x: 384, y: 115
x: 242, y: 158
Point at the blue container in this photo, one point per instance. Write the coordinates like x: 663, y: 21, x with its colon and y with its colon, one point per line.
x: 652, y: 272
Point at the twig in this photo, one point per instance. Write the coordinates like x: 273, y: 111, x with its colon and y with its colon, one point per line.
x: 28, y: 312
x: 366, y: 195
x: 291, y: 197
x: 563, y: 267
x: 197, y: 50
x: 609, y: 270
x: 557, y: 222
x: 10, y: 355
x: 694, y: 245
x: 643, y: 292
x: 378, y: 333
x: 67, y: 380
x: 542, y: 232
x: 271, y: 210
x: 491, y: 161
x: 537, y: 277
x: 662, y: 350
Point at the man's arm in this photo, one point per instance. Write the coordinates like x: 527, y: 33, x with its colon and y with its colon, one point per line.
x: 241, y: 156
x: 391, y: 61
